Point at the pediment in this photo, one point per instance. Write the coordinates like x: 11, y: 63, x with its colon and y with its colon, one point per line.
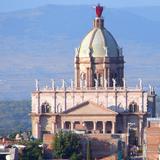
x: 89, y: 108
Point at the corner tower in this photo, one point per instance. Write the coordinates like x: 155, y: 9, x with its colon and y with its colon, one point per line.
x: 99, y: 60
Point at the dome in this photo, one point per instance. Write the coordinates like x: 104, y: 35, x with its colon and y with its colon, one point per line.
x: 99, y: 43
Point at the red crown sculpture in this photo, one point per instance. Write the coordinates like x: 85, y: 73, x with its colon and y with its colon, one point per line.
x: 99, y: 10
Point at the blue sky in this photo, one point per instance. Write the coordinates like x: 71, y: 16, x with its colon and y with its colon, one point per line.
x: 9, y: 5
x: 21, y: 51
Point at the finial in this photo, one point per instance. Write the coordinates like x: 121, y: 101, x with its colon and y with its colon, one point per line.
x: 99, y: 10
x: 37, y: 84
x: 63, y: 84
x: 150, y: 88
x: 124, y: 83
x: 140, y: 83
x: 53, y: 84
x: 72, y: 84
x: 114, y: 83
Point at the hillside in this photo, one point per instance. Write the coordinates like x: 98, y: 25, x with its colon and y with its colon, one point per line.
x: 14, y: 116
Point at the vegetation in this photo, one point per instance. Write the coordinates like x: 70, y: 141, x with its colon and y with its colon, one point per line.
x: 14, y: 116
x: 67, y: 145
x: 32, y: 151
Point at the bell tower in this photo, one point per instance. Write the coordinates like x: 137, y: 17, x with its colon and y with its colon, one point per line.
x: 99, y: 61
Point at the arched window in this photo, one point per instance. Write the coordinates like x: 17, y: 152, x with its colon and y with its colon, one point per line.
x: 133, y: 107
x: 45, y: 107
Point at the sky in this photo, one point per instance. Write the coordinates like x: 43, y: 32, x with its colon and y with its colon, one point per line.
x: 13, y: 76
x: 10, y: 5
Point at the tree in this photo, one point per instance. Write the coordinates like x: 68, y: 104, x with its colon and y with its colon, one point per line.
x: 67, y: 145
x: 32, y: 151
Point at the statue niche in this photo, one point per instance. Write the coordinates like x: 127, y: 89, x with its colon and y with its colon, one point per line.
x: 45, y: 107
x: 133, y: 107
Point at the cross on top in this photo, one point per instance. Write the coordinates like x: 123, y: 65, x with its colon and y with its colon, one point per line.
x: 99, y: 10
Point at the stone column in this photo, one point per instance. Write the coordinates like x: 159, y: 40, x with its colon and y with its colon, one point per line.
x: 53, y: 127
x: 37, y: 130
x: 89, y: 75
x: 62, y: 125
x: 55, y: 109
x: 65, y: 100
x: 76, y: 73
x: 72, y: 126
x: 140, y: 131
x: 104, y: 76
x: 142, y: 109
x: 113, y: 127
x: 83, y: 123
x: 126, y: 99
x: 88, y: 78
x: 38, y: 110
x: 116, y: 101
x: 94, y: 125
x: 104, y: 127
x: 109, y: 77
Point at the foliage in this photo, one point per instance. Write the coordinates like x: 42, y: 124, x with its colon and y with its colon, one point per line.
x: 32, y: 150
x: 75, y: 156
x: 12, y: 136
x: 67, y: 145
x: 14, y: 115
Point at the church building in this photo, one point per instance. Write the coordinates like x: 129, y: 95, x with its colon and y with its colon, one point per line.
x: 98, y: 100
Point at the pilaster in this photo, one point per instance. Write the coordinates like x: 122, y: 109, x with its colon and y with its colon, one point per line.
x: 104, y: 127
x: 94, y: 125
x: 113, y: 127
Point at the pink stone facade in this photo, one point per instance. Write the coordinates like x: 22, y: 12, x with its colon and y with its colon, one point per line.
x: 98, y: 98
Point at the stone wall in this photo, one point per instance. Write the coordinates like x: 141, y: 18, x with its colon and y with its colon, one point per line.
x: 152, y: 138
x: 102, y: 146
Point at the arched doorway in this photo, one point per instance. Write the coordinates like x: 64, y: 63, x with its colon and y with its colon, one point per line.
x: 89, y: 126
x: 99, y: 126
x: 108, y: 127
x: 76, y: 124
x: 67, y: 125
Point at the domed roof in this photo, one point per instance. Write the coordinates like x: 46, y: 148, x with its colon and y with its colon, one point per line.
x: 99, y: 43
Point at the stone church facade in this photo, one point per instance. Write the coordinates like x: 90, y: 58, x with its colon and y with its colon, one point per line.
x: 98, y: 100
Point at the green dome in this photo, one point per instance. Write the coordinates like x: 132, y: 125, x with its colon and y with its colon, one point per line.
x: 99, y: 43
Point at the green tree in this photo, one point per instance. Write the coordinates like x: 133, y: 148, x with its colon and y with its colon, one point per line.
x: 67, y: 145
x: 32, y: 151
